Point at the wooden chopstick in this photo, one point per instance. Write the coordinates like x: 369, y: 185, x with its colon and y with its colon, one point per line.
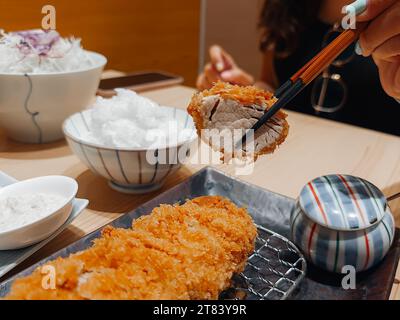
x: 334, y: 49
x: 298, y: 74
x: 307, y: 74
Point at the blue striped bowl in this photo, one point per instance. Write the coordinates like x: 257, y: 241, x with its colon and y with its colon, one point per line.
x: 133, y: 170
x: 341, y: 220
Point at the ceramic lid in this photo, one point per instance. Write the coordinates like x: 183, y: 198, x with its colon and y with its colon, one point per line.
x: 343, y: 202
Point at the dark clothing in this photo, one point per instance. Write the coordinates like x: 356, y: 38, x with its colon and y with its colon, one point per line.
x: 367, y: 104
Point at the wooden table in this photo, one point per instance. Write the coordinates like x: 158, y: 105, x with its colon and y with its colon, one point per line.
x: 314, y: 147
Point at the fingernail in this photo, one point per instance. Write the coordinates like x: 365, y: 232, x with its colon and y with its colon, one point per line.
x: 219, y: 66
x: 357, y: 7
x: 358, y: 49
x: 226, y: 74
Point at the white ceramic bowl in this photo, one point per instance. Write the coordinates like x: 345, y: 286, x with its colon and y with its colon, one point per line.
x: 34, y: 106
x: 132, y: 170
x: 43, y: 228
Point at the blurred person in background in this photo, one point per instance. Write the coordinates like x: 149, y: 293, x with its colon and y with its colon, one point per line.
x: 360, y: 87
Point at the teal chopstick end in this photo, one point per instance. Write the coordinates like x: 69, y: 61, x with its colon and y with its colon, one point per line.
x: 358, y: 49
x: 357, y: 7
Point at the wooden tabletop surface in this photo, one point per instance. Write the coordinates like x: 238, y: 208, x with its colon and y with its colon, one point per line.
x: 314, y: 147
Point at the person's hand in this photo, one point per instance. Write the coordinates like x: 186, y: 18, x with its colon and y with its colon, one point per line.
x: 222, y: 67
x: 381, y: 39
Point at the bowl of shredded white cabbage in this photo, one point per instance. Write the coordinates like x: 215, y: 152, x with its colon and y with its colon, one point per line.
x: 131, y: 141
x: 44, y: 79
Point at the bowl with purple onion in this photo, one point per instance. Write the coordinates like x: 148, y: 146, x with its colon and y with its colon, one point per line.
x: 44, y: 79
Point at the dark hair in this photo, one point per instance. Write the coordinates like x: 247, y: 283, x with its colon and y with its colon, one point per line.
x: 281, y: 22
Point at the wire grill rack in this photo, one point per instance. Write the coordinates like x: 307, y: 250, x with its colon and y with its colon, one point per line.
x: 273, y: 271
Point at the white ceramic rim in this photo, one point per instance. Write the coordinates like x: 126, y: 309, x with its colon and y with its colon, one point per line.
x: 102, y: 61
x: 33, y: 224
x: 102, y: 147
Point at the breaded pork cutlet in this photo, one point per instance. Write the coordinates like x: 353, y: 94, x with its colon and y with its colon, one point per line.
x: 218, y: 112
x: 188, y: 251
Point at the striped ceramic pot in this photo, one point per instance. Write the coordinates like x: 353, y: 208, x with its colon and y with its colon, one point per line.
x: 341, y: 220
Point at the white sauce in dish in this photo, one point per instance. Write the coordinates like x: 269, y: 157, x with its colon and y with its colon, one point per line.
x: 21, y: 210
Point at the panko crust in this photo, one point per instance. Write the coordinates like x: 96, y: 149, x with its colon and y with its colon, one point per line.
x: 245, y: 95
x: 188, y: 251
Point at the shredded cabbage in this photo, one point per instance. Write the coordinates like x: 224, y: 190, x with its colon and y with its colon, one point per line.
x: 129, y: 120
x: 38, y: 51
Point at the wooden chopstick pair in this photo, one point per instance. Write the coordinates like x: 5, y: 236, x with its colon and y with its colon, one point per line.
x: 290, y: 89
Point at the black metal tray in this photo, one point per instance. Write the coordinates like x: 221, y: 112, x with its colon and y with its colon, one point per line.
x: 269, y: 210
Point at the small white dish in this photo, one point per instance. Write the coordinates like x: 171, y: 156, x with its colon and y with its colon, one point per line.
x: 40, y: 229
x: 9, y: 259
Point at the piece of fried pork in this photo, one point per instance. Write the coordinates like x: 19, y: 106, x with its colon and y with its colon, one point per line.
x: 224, y: 113
x: 188, y: 251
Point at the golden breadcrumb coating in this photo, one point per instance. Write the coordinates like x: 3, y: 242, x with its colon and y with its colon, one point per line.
x: 188, y: 251
x: 245, y: 96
